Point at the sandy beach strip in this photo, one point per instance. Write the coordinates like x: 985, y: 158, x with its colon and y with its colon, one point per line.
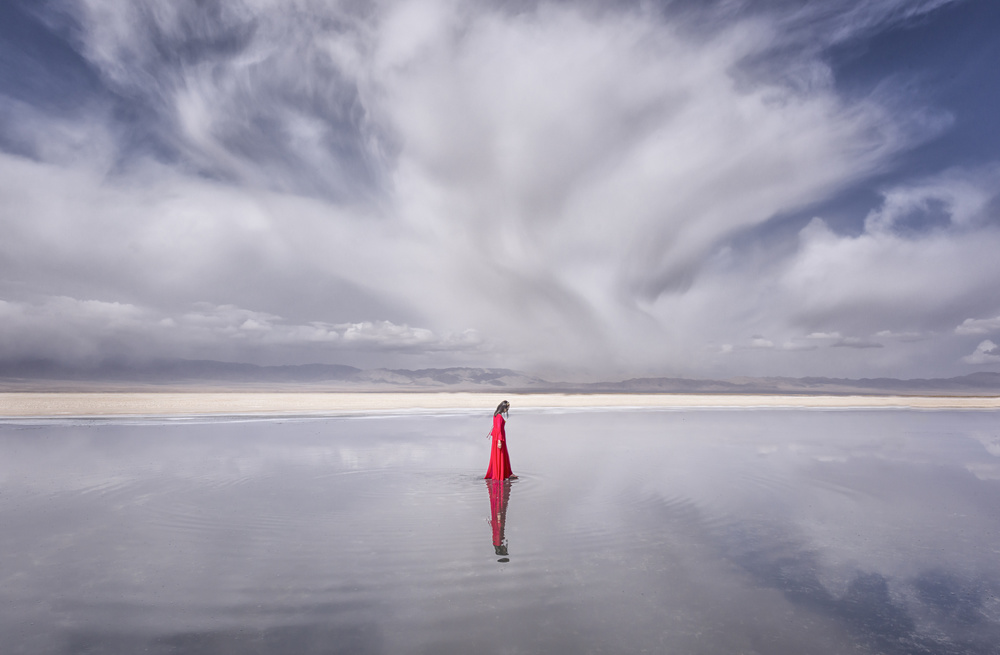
x: 22, y: 405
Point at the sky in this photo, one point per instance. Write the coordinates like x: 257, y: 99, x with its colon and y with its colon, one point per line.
x: 579, y: 190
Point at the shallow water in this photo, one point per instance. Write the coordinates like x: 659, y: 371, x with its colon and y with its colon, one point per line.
x: 705, y: 531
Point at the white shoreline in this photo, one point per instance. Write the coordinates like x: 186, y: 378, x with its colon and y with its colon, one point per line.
x: 40, y: 405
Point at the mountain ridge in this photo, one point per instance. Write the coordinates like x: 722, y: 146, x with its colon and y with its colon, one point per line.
x: 42, y: 374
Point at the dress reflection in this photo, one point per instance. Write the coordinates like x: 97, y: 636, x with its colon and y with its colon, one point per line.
x: 499, y: 495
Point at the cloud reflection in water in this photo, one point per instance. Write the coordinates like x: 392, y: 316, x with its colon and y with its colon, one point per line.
x: 684, y: 531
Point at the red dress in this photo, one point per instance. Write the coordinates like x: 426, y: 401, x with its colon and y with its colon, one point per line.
x: 499, y: 495
x: 499, y: 461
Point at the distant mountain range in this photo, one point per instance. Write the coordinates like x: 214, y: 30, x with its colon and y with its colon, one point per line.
x: 185, y: 372
x: 39, y: 375
x: 975, y: 384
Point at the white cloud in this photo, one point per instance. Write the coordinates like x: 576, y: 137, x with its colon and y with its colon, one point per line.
x: 977, y: 326
x: 855, y: 342
x: 886, y: 276
x: 852, y: 18
x: 561, y: 183
x: 903, y: 290
x: 986, y: 352
x: 962, y: 197
x: 901, y: 336
x: 797, y: 345
x: 67, y: 328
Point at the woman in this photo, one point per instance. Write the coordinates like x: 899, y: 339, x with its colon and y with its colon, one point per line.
x: 499, y: 461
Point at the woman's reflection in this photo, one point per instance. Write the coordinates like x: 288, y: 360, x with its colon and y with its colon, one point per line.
x: 499, y: 495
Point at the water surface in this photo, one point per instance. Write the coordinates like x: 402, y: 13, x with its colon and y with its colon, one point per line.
x: 707, y: 531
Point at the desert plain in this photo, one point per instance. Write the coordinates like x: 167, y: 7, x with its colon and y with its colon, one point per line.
x: 34, y: 404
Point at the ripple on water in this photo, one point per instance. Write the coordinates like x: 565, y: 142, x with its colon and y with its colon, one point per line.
x: 106, y: 487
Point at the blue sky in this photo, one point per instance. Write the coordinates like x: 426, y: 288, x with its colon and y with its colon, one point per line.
x: 572, y: 189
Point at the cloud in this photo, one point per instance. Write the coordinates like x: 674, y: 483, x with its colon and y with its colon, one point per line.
x: 854, y: 342
x: 826, y: 25
x: 241, y: 91
x: 67, y: 328
x: 976, y: 326
x: 578, y: 188
x: 955, y: 198
x: 903, y: 288
x: 901, y: 336
x: 823, y: 335
x: 986, y: 352
x: 579, y: 164
x: 906, y: 275
x: 797, y: 345
x: 90, y: 330
x: 237, y: 324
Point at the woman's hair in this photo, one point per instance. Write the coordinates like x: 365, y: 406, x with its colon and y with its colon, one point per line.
x: 502, y: 408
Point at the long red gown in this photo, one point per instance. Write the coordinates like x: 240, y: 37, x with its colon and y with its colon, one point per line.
x: 499, y: 461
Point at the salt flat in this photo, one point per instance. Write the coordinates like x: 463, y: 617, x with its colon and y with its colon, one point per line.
x: 22, y: 404
x: 689, y: 531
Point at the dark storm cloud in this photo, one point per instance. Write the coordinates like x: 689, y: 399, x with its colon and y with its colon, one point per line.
x: 578, y: 187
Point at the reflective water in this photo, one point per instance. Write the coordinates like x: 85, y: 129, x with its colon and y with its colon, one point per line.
x: 628, y: 531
